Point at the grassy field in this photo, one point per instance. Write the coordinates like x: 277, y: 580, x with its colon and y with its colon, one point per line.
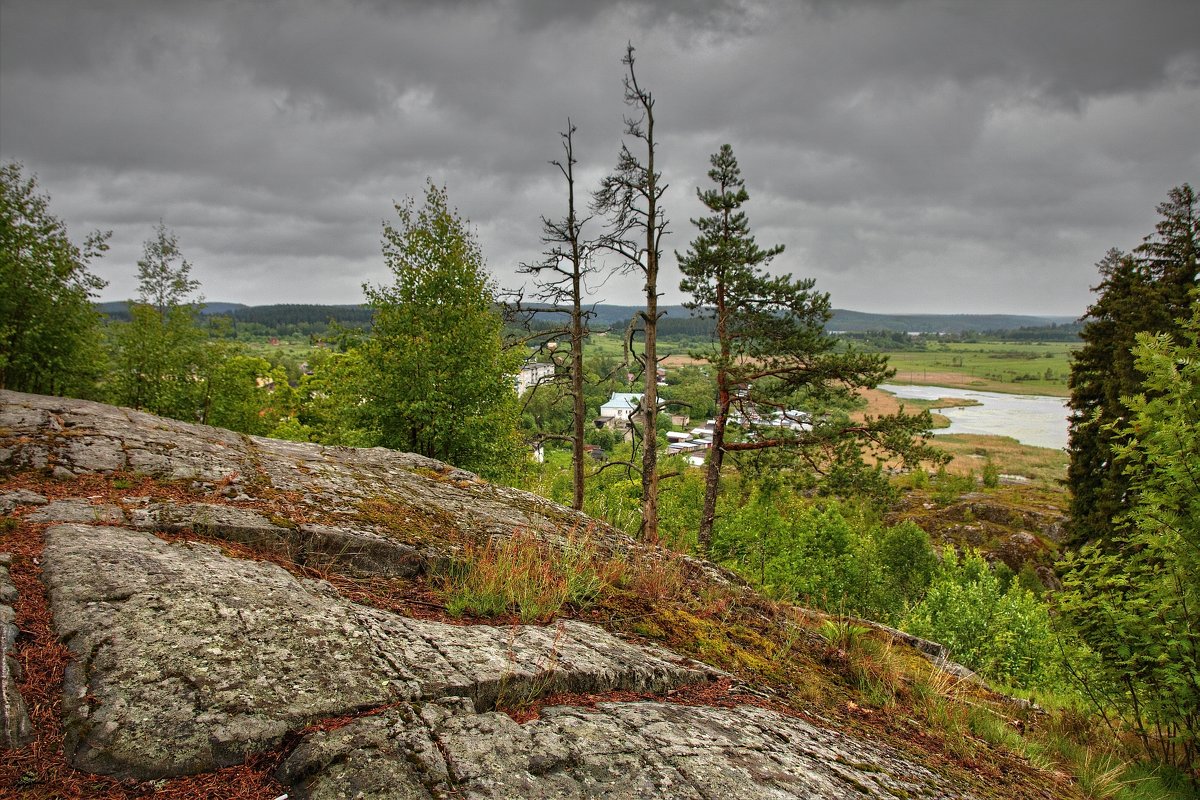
x: 297, y: 349
x: 1042, y: 465
x: 1011, y: 367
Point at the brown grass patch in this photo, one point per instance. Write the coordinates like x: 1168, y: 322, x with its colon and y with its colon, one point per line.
x: 531, y: 576
x: 970, y: 452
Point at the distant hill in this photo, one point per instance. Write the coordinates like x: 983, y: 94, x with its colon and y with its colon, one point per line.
x: 303, y: 314
x: 121, y: 307
x: 678, y: 320
x: 856, y: 321
x: 852, y: 321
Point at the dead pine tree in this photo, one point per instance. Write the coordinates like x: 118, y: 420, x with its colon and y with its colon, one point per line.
x: 631, y: 198
x: 561, y: 279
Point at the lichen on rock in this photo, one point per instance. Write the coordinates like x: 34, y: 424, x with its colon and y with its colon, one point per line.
x: 187, y: 660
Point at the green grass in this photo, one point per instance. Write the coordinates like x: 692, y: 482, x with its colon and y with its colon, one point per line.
x: 296, y: 349
x: 1012, y: 367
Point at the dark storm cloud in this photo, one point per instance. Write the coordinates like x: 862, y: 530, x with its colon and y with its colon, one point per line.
x: 911, y: 155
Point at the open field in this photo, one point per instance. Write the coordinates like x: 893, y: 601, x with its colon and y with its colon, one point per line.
x: 1011, y: 367
x: 297, y: 347
x: 1042, y: 465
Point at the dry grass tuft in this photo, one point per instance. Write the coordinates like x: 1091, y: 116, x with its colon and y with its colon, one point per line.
x: 530, y: 576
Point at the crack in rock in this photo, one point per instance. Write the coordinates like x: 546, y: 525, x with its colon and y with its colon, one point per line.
x: 16, y: 730
x: 265, y: 652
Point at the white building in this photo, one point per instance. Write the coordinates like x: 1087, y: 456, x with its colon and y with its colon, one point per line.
x: 621, y: 405
x: 533, y: 374
x: 792, y: 420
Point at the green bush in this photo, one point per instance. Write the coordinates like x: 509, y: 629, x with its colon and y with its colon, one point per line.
x: 1004, y: 634
x: 947, y: 487
x: 991, y: 474
x: 830, y: 556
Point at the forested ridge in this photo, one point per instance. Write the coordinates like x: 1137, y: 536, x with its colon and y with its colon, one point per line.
x: 283, y: 319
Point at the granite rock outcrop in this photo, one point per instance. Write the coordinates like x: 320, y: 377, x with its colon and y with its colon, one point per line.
x: 187, y: 655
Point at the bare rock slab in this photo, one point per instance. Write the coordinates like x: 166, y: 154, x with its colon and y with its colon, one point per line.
x: 21, y: 497
x: 617, y: 750
x: 187, y: 660
x: 354, y: 550
x: 78, y: 510
x: 73, y: 437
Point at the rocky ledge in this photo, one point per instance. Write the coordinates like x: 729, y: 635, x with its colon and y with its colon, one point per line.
x: 189, y: 656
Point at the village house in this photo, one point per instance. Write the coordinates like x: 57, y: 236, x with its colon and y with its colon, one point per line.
x: 620, y: 406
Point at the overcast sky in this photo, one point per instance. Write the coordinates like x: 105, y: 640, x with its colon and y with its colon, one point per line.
x: 911, y: 156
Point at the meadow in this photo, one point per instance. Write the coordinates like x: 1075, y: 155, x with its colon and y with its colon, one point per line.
x: 1010, y: 367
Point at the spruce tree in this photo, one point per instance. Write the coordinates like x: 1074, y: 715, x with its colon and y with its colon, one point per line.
x: 1134, y: 598
x: 1143, y: 291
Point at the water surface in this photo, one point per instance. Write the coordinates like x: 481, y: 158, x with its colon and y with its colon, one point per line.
x: 1032, y: 419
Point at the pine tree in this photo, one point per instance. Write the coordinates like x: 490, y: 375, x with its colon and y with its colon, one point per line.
x: 772, y: 357
x: 719, y: 269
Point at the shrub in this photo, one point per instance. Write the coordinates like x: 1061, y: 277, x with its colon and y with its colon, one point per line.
x: 829, y: 556
x: 1003, y: 634
x: 948, y: 487
x: 991, y: 474
x: 908, y: 562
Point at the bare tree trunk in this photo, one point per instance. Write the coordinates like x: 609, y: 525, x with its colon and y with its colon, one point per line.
x: 650, y: 411
x: 561, y: 280
x: 650, y: 400
x: 630, y: 196
x: 577, y: 409
x: 712, y: 478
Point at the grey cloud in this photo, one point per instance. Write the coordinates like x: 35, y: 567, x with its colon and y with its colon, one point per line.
x: 1003, y: 144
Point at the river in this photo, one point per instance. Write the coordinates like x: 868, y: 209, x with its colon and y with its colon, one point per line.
x: 1032, y: 419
